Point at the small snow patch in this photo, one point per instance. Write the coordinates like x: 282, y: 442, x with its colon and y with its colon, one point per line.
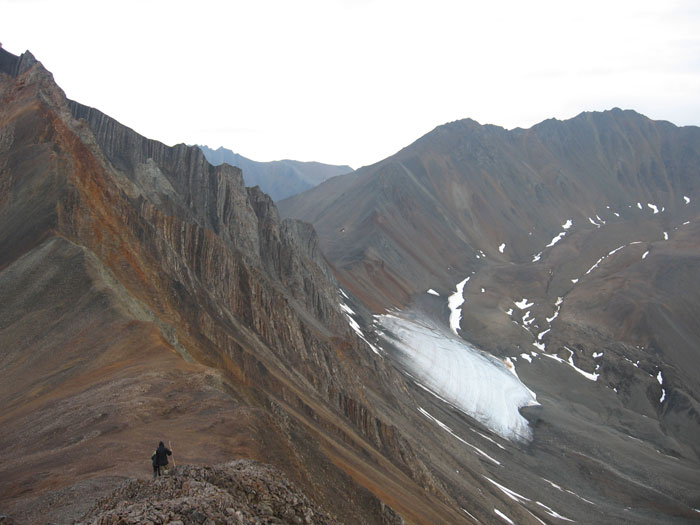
x: 574, y: 281
x: 567, y: 224
x: 542, y: 334
x: 663, y: 395
x: 526, y: 357
x: 639, y: 205
x: 506, y: 518
x: 433, y: 292
x: 616, y: 250
x: 537, y: 257
x: 483, y: 290
x: 660, y: 378
x: 509, y: 312
x: 523, y: 304
x: 686, y: 199
x: 645, y: 254
x: 510, y: 493
x: 550, y: 319
x: 454, y: 302
x: 552, y: 513
x: 449, y: 431
x: 556, y: 240
x: 665, y: 236
x: 502, y: 247
x: 596, y: 355
x: 653, y: 207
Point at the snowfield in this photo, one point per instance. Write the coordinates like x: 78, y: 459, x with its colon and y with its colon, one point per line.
x: 476, y: 383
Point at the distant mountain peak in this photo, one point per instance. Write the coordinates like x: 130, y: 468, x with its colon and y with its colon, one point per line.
x: 279, y: 178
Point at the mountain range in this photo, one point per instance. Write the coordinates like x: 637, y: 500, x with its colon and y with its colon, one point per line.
x: 280, y: 178
x: 489, y: 326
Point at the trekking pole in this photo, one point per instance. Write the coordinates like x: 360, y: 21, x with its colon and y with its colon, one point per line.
x: 171, y: 449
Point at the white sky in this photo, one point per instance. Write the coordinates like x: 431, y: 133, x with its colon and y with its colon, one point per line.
x: 353, y: 81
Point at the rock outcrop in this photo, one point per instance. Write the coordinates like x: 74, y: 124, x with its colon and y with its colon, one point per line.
x: 238, y: 492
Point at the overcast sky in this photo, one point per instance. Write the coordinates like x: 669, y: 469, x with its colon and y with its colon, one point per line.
x: 353, y: 81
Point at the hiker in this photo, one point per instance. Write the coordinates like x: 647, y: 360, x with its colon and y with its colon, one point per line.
x: 160, y: 459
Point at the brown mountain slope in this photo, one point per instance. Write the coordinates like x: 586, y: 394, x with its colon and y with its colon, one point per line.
x: 577, y: 246
x: 465, y: 187
x: 148, y: 295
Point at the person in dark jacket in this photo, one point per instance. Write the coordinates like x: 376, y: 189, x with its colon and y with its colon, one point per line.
x: 160, y: 459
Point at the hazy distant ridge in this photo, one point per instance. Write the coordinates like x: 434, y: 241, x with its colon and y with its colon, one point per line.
x: 279, y: 178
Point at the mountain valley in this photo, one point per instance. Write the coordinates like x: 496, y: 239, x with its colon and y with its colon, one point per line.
x: 490, y: 326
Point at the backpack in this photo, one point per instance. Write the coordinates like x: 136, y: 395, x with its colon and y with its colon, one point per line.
x: 154, y: 459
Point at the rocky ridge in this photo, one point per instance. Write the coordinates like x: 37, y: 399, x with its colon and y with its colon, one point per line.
x: 148, y: 291
x: 238, y: 492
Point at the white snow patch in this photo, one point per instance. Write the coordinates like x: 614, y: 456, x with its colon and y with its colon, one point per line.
x: 475, y: 382
x: 510, y: 493
x: 552, y: 513
x: 594, y: 223
x: 506, y: 518
x: 596, y: 355
x: 502, y: 247
x: 554, y: 485
x: 653, y: 207
x: 663, y: 395
x: 686, y: 199
x: 665, y: 236
x: 567, y: 224
x: 531, y: 514
x: 483, y: 290
x: 526, y: 319
x: 599, y: 219
x: 660, y: 378
x: 526, y: 357
x: 574, y: 281
x: 540, y: 346
x: 454, y: 302
x: 556, y: 240
x: 523, y: 304
x: 537, y: 257
x: 356, y: 327
x: 346, y: 309
x: 433, y: 292
x: 645, y: 254
x: 559, y: 301
x: 488, y: 439
x: 639, y: 205
x: 686, y: 222
x: 469, y: 514
x: 542, y: 334
x: 449, y: 430
x: 616, y: 250
x: 616, y: 214
x: 570, y: 362
x: 509, y: 312
x: 595, y: 265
